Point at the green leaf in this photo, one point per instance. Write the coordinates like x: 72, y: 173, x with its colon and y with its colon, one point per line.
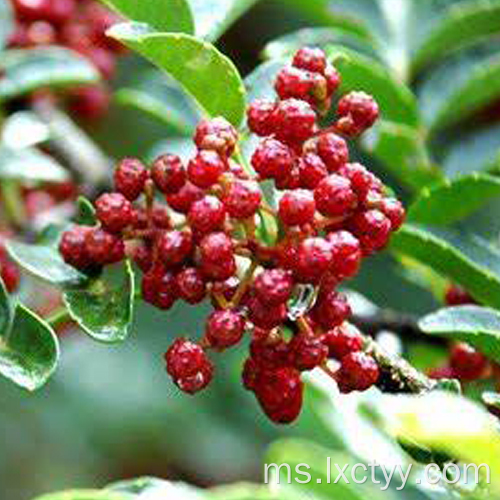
x: 104, y: 307
x: 478, y: 326
x: 6, y: 22
x: 402, y: 150
x: 29, y: 350
x: 28, y: 70
x: 162, y: 15
x: 464, y: 24
x: 161, y: 98
x: 247, y: 491
x: 156, y: 488
x: 288, y: 44
x: 45, y: 262
x: 397, y: 102
x: 6, y: 310
x: 454, y: 200
x: 206, y: 74
x: 29, y: 164
x: 84, y: 495
x: 86, y: 212
x: 213, y: 17
x: 465, y: 259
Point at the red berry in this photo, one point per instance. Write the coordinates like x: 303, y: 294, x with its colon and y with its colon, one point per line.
x: 333, y: 150
x: 207, y: 214
x: 363, y: 182
x: 312, y: 170
x: 191, y: 285
x: 174, y: 247
x: 442, y: 372
x: 358, y: 372
x: 273, y: 286
x: 279, y: 392
x: 457, y: 296
x: 73, y: 247
x: 394, y: 211
x: 114, y: 212
x: 307, y: 352
x: 295, y: 121
x: 182, y: 200
x: 347, y: 254
x: 168, y: 173
x: 188, y: 365
x: 10, y: 275
x: 225, y: 328
x: 297, y: 207
x: 332, y: 79
x: 314, y: 257
x: 130, y: 177
x: 272, y: 159
x: 103, y: 247
x: 205, y: 169
x: 264, y: 315
x: 291, y: 181
x: 142, y: 255
x: 161, y: 216
x: 242, y: 199
x: 295, y: 83
x: 343, y: 340
x: 217, y: 257
x: 334, y: 196
x: 311, y: 59
x: 331, y: 310
x: 250, y: 374
x: 89, y: 103
x: 372, y: 228
x: 357, y: 112
x: 467, y: 363
x: 217, y: 135
x: 260, y: 117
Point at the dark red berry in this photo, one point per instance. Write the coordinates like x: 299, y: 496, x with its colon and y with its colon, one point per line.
x: 90, y: 102
x: 343, y: 340
x: 314, y: 257
x: 372, y: 228
x: 311, y: 59
x: 217, y: 135
x: 458, y: 296
x: 225, y: 328
x: 307, y: 352
x: 295, y: 83
x: 168, y: 173
x: 332, y: 79
x: 264, y: 315
x: 217, y: 257
x: 297, y: 207
x: 130, y: 176
x: 250, y: 374
x: 207, y: 214
x: 467, y: 363
x: 394, y: 211
x: 295, y: 121
x: 188, y: 365
x: 273, y: 286
x: 334, y: 196
x: 260, y: 117
x: 347, y: 254
x: 312, y: 170
x: 159, y: 287
x: 242, y: 199
x: 357, y: 112
x: 363, y: 182
x: 182, y: 200
x: 142, y: 255
x: 291, y: 181
x: 174, y: 247
x: 269, y: 354
x: 358, y: 372
x: 114, y: 212
x: 161, y: 216
x: 10, y: 275
x: 333, y: 150
x: 272, y: 159
x: 279, y: 392
x: 205, y: 169
x: 73, y: 247
x: 191, y: 285
x: 103, y: 247
x: 331, y: 310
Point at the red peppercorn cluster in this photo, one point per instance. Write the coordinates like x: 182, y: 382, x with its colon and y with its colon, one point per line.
x: 9, y: 272
x: 79, y: 25
x: 201, y: 241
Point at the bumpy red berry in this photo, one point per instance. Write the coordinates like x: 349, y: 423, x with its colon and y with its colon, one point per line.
x: 358, y: 372
x: 182, y: 200
x: 73, y: 247
x: 205, y: 169
x: 297, y: 207
x: 10, y: 275
x: 331, y: 310
x: 307, y: 352
x: 191, y: 285
x: 242, y: 199
x: 174, y: 247
x: 314, y: 257
x: 467, y: 363
x: 273, y: 286
x: 333, y: 150
x: 225, y: 328
x: 458, y: 296
x: 372, y: 228
x: 264, y: 315
x: 216, y: 135
x: 311, y: 59
x: 103, y: 247
x: 363, y: 182
x: 312, y: 170
x: 347, y: 254
x: 393, y: 209
x: 273, y: 160
x: 168, y: 173
x: 343, y: 340
x: 207, y: 214
x: 334, y: 196
x: 130, y: 176
x: 260, y: 117
x: 114, y: 212
x: 295, y: 121
x: 357, y: 112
